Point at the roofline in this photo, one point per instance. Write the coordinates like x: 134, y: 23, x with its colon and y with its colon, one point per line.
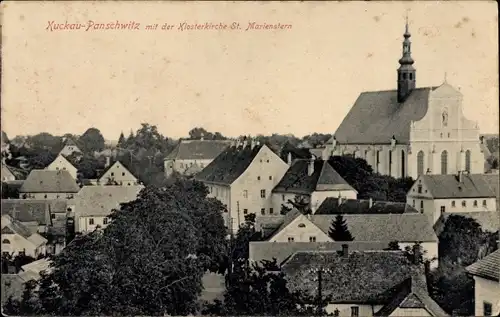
x: 48, y: 191
x: 490, y: 278
x: 214, y: 183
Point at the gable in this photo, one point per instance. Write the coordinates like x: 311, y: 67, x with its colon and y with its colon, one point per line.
x: 264, y: 164
x: 62, y: 163
x: 420, y: 183
x: 117, y: 170
x: 446, y: 91
x: 301, y: 226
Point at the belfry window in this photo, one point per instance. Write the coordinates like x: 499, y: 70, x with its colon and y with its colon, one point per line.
x: 404, y: 75
x: 411, y: 76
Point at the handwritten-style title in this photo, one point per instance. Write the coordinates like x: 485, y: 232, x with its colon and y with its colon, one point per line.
x: 53, y: 26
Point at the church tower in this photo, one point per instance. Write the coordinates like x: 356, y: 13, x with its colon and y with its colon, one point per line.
x: 406, y: 72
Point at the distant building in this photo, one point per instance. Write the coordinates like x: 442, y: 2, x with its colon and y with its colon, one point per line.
x: 435, y: 195
x: 19, y: 239
x: 410, y: 131
x: 61, y: 163
x: 7, y: 174
x: 69, y: 148
x: 191, y: 156
x: 45, y: 184
x: 117, y: 175
x: 486, y: 273
x: 314, y: 180
x: 363, y: 283
x: 242, y: 177
x: 94, y: 204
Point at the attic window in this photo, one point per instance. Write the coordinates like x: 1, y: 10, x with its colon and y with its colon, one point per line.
x: 301, y: 225
x: 5, y: 241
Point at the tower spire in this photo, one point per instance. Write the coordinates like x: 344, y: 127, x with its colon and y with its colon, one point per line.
x: 406, y: 72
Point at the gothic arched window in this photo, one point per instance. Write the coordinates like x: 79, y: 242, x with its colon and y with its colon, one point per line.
x: 467, y: 161
x: 403, y: 164
x: 444, y: 162
x: 420, y: 163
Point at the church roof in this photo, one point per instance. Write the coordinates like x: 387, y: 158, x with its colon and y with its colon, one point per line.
x: 377, y: 116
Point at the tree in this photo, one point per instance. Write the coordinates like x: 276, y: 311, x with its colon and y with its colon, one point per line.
x: 91, y: 141
x: 45, y: 141
x: 198, y: 133
x: 42, y: 159
x: 121, y: 140
x: 393, y: 246
x: 339, y: 231
x: 299, y: 202
x: 260, y: 290
x: 12, y: 307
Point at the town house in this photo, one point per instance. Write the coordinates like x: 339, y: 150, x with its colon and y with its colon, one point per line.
x: 46, y: 184
x: 69, y: 148
x: 486, y: 274
x: 117, y: 175
x: 242, y: 178
x: 61, y: 163
x: 19, y: 239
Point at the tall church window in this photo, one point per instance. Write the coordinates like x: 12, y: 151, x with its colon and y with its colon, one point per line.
x: 467, y: 161
x: 403, y: 162
x: 420, y: 163
x: 444, y: 162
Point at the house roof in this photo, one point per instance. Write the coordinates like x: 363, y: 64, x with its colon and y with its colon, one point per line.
x: 487, y: 267
x: 366, y: 227
x: 28, y: 210
x: 333, y: 206
x: 264, y: 250
x: 296, y: 152
x: 198, y: 149
x: 489, y: 220
x: 101, y: 200
x: 360, y: 277
x: 36, y: 267
x: 46, y: 181
x: 6, y: 171
x: 18, y: 173
x: 376, y: 117
x: 229, y: 165
x: 472, y: 185
x: 323, y: 178
x: 13, y: 226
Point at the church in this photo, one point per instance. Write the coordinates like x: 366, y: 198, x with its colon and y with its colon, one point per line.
x: 410, y: 131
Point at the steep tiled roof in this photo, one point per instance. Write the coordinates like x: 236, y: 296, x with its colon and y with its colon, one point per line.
x: 360, y: 277
x: 198, y: 149
x: 45, y: 181
x: 263, y: 250
x: 324, y: 177
x: 488, y: 267
x: 28, y: 210
x: 472, y: 185
x: 101, y: 200
x: 229, y: 165
x: 489, y: 220
x: 331, y: 206
x: 372, y: 227
x: 377, y: 116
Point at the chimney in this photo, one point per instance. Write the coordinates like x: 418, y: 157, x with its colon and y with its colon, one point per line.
x: 416, y: 253
x: 460, y: 177
x: 289, y: 158
x: 202, y: 136
x: 310, y: 169
x: 108, y: 161
x: 345, y: 250
x: 370, y: 203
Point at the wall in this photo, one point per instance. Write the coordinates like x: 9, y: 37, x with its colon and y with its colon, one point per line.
x: 48, y: 195
x: 301, y: 230
x: 279, y: 199
x: 410, y: 312
x: 432, y: 135
x: 85, y: 226
x: 421, y: 199
x: 18, y: 243
x: 181, y: 166
x: 345, y: 309
x: 223, y: 194
x: 430, y: 250
x: 489, y: 291
x: 270, y: 168
x: 119, y: 174
x: 69, y: 149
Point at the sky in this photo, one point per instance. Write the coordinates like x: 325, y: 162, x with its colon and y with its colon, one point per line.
x: 298, y: 80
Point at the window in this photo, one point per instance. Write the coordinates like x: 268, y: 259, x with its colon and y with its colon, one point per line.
x: 123, y: 174
x: 91, y: 221
x: 487, y: 309
x: 420, y: 163
x: 271, y: 211
x: 283, y: 197
x: 448, y: 134
x: 443, y: 208
x: 464, y: 203
x: 354, y: 311
x: 45, y: 196
x: 390, y: 162
x: 419, y: 189
x: 475, y: 203
x: 312, y: 239
x: 182, y: 165
x: 441, y: 135
x: 270, y: 178
x: 52, y: 216
x: 467, y: 161
x: 444, y: 162
x: 411, y: 76
x: 245, y: 193
x: 484, y: 203
x: 263, y: 193
x: 258, y: 178
x: 105, y: 221
x: 263, y: 211
x: 301, y: 225
x: 64, y: 168
x: 5, y: 241
x: 413, y: 203
x: 57, y: 168
x: 422, y: 206
x: 112, y: 174
x: 453, y: 204
x: 403, y: 164
x: 404, y: 77
x: 290, y: 239
x: 245, y: 211
x: 267, y: 161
